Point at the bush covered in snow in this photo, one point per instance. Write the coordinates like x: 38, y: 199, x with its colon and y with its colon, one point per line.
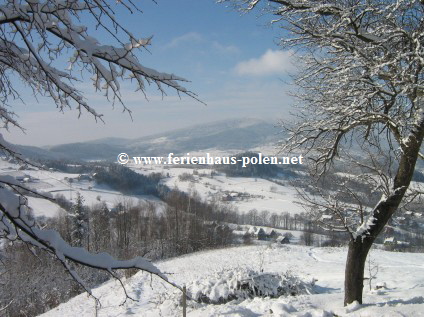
x: 241, y: 284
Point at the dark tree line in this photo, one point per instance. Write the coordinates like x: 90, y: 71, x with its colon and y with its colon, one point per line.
x: 127, y: 181
x: 249, y: 170
x: 115, y: 176
x: 67, y: 166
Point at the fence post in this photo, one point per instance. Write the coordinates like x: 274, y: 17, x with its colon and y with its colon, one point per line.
x: 184, y: 301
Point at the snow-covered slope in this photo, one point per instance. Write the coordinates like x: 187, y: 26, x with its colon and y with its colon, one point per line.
x: 402, y: 274
x: 54, y: 182
x: 262, y: 194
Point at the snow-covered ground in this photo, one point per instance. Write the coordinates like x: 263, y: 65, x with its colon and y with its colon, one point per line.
x: 264, y: 194
x: 401, y: 273
x: 54, y: 182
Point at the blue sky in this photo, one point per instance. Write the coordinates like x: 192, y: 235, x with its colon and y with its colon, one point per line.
x: 232, y: 60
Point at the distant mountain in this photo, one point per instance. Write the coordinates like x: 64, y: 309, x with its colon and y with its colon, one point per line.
x: 223, y: 135
x: 240, y: 134
x: 34, y: 152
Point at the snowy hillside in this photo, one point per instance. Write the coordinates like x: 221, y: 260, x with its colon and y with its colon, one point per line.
x: 54, y: 182
x: 261, y: 194
x: 400, y: 275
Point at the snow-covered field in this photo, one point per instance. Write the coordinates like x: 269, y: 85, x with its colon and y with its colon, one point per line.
x: 54, y: 182
x: 264, y: 194
x: 261, y: 194
x: 401, y: 273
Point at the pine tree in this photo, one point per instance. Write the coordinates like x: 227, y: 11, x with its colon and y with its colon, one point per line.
x: 79, y: 221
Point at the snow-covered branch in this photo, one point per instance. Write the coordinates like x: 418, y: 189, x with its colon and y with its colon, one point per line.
x: 362, y: 69
x: 35, y: 35
x: 37, y: 39
x: 15, y: 223
x: 362, y: 83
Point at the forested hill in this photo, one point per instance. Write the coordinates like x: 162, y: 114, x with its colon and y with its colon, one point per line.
x: 240, y: 135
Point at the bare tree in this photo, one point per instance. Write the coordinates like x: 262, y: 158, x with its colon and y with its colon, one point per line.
x: 361, y: 82
x: 308, y: 238
x: 36, y: 36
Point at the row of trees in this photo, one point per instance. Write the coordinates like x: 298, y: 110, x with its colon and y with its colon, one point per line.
x: 126, y: 180
x: 284, y: 220
x: 250, y: 170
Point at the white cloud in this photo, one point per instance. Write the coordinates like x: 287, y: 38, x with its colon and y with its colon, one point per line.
x: 188, y: 37
x: 270, y: 63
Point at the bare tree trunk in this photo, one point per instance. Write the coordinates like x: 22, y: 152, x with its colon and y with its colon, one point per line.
x: 184, y: 301
x: 354, y: 272
x: 359, y: 246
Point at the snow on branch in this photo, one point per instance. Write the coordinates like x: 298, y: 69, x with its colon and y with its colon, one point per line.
x: 364, y: 228
x: 15, y: 224
x: 34, y: 34
x: 357, y: 62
